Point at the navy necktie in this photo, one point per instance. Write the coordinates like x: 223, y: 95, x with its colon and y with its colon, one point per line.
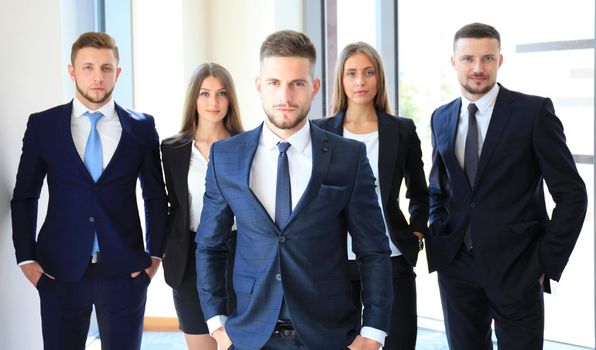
x: 471, y: 152
x: 94, y: 158
x: 283, y: 195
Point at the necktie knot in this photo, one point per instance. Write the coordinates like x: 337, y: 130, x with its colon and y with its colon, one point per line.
x: 283, y: 146
x: 472, y: 109
x: 93, y: 117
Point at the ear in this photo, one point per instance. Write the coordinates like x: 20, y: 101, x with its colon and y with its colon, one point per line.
x: 316, y: 84
x: 500, y: 60
x: 71, y: 72
x: 118, y: 71
x: 258, y: 83
x: 453, y: 61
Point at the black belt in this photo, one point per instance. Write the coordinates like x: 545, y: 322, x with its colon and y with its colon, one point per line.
x: 284, y: 329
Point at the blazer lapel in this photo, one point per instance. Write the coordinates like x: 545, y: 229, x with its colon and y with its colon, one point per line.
x: 336, y: 124
x: 66, y: 130
x: 498, y: 122
x: 181, y: 158
x: 126, y: 124
x: 321, y: 157
x: 388, y: 149
x: 246, y: 154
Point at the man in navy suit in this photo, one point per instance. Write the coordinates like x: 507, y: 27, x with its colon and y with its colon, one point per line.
x: 90, y: 249
x: 491, y: 239
x: 295, y: 191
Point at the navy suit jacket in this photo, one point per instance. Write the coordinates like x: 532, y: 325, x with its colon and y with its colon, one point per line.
x: 514, y: 239
x: 400, y: 158
x: 78, y: 207
x: 305, y: 261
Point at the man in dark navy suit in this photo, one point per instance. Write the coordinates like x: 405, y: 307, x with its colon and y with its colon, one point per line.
x: 90, y: 249
x: 491, y: 239
x: 295, y: 191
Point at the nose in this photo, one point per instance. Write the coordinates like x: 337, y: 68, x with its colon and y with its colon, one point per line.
x: 360, y: 79
x: 478, y: 66
x: 284, y: 94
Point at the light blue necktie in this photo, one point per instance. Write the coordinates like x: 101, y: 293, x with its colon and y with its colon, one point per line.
x: 94, y: 158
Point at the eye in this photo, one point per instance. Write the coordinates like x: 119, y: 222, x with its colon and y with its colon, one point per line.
x: 272, y: 82
x: 107, y: 69
x: 222, y: 94
x: 87, y: 67
x: 204, y: 94
x: 350, y: 74
x: 299, y: 83
x: 489, y: 58
x: 370, y: 73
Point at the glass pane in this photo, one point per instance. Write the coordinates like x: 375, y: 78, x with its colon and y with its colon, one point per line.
x: 548, y: 53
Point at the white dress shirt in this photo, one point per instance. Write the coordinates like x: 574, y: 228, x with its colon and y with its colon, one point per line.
x: 108, y: 127
x: 486, y: 105
x: 263, y: 182
x: 371, y: 140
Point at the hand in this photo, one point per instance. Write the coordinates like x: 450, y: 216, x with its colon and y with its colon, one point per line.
x: 362, y: 343
x: 221, y: 337
x: 33, y: 272
x: 151, y: 270
x: 420, y: 236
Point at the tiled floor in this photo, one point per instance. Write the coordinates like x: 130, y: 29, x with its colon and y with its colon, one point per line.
x: 428, y: 339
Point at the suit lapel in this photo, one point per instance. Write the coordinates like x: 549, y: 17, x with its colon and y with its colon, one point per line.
x: 181, y: 158
x: 336, y: 124
x: 498, y: 122
x: 246, y: 156
x: 126, y: 124
x: 451, y: 127
x: 321, y: 157
x: 66, y: 130
x: 388, y: 149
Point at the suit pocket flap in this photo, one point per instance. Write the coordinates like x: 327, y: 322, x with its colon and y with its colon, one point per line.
x: 331, y: 288
x: 244, y: 285
x: 522, y: 227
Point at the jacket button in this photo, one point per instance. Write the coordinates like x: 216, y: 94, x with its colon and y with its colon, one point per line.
x: 282, y: 239
x: 91, y: 219
x: 278, y: 277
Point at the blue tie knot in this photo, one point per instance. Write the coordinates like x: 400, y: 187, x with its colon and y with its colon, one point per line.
x: 283, y: 146
x: 93, y: 117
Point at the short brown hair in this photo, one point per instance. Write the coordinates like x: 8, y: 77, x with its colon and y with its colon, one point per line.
x: 477, y: 31
x: 96, y: 40
x: 339, y: 101
x: 289, y: 43
x: 190, y: 116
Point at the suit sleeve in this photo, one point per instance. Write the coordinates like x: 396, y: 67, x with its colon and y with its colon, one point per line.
x: 371, y: 246
x: 438, y: 187
x: 566, y: 188
x: 417, y: 190
x: 212, y: 240
x: 154, y: 194
x: 24, y: 204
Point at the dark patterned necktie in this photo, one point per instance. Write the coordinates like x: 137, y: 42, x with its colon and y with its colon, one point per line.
x: 283, y: 194
x: 471, y: 152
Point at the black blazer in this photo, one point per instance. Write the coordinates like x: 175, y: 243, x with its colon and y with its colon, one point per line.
x: 176, y: 161
x: 514, y: 239
x: 400, y: 157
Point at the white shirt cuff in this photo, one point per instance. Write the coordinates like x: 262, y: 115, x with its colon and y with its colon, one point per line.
x: 215, y: 322
x: 25, y: 262
x: 374, y: 334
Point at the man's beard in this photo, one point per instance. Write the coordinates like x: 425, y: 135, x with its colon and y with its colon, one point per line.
x: 103, y: 99
x: 287, y: 124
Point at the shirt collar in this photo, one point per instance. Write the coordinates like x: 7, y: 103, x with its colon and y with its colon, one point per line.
x: 79, y: 109
x: 299, y: 140
x: 485, y: 102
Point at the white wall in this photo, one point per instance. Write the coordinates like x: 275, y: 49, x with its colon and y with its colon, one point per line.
x: 32, y: 71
